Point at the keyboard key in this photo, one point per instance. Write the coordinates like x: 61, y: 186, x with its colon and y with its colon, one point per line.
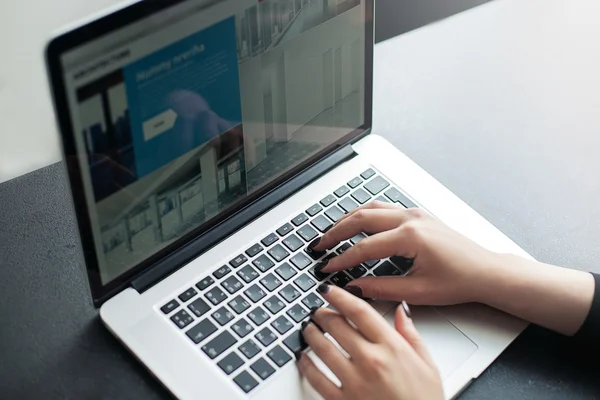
x: 354, y: 182
x: 312, y: 300
x: 368, y: 173
x: 263, y: 263
x: 274, y: 304
x: 289, y: 293
x: 199, y: 307
x: 295, y: 342
x: 255, y: 293
x: 239, y: 260
x: 222, y: 316
x: 254, y: 250
x: 358, y: 238
x: 300, y: 219
x: 188, y: 294
x: 230, y: 363
x: 376, y: 185
x: 278, y: 253
x: 371, y: 263
x: 285, y: 271
x: 262, y: 368
x: 327, y: 201
x: 387, y: 269
x: 341, y: 191
x: 266, y: 336
x: 292, y: 242
x: 347, y: 204
x: 321, y: 223
x: 404, y: 264
x: 239, y: 304
x: 215, y: 295
x: 300, y: 261
x: 340, y: 279
x: 314, y: 254
x: 285, y: 229
x: 270, y: 282
x: 259, y: 316
x: 334, y: 213
x: 201, y: 331
x: 232, y: 284
x: 221, y: 272
x: 204, y: 283
x: 245, y: 381
x: 279, y: 356
x: 170, y: 306
x: 307, y: 233
x: 314, y: 210
x: 361, y: 196
x: 383, y: 199
x: 321, y: 276
x: 269, y: 240
x: 182, y: 319
x: 304, y: 282
x: 343, y: 248
x: 282, y: 324
x: 397, y: 197
x: 248, y: 274
x: 297, y: 313
x: 242, y: 327
x: 219, y: 344
x: 249, y: 349
x: 357, y: 271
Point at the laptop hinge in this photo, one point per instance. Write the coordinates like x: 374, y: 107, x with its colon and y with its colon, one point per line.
x: 182, y: 256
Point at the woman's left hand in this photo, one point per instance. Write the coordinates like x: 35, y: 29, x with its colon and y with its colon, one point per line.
x: 384, y: 363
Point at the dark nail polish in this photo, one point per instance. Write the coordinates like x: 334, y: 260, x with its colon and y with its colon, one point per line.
x: 318, y: 274
x: 354, y: 290
x: 298, y: 354
x: 314, y: 243
x: 313, y: 311
x: 324, y: 288
x: 304, y: 325
x: 406, y: 309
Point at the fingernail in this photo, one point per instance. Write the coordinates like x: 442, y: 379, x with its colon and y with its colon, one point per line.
x: 406, y: 309
x: 319, y: 270
x: 304, y: 325
x: 354, y: 290
x: 314, y: 243
x: 298, y: 355
x: 313, y: 311
x: 324, y: 288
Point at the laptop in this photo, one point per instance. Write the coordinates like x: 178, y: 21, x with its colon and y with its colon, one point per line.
x: 207, y: 143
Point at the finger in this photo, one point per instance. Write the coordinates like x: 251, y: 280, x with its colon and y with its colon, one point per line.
x: 372, y: 205
x: 326, y: 351
x: 405, y: 326
x: 318, y: 380
x: 338, y: 327
x: 412, y: 288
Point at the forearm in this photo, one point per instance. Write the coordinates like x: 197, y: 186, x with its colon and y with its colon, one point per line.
x: 554, y: 297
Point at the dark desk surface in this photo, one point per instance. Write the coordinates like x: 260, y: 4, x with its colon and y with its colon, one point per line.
x: 513, y: 132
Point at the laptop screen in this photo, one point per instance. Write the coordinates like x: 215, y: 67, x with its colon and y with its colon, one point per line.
x: 180, y: 117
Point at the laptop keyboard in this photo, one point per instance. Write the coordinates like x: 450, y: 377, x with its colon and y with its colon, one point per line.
x: 246, y: 315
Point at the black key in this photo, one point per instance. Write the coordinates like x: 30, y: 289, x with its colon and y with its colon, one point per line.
x: 263, y: 263
x: 361, y: 196
x: 304, y: 282
x: 270, y: 282
x: 334, y: 213
x: 312, y: 300
x: 242, y: 327
x: 262, y: 368
x: 232, y: 284
x: 357, y: 271
x: 347, y: 204
x: 245, y: 381
x: 383, y: 199
x: 221, y: 272
x: 278, y: 253
x: 285, y: 271
x: 266, y: 336
x: 367, y: 174
x: 371, y: 263
x: 259, y: 316
x: 354, y: 182
x: 182, y: 319
x: 248, y: 274
x: 387, y: 269
x: 314, y: 254
x: 314, y: 210
x: 292, y: 242
x: 274, y: 304
x: 269, y: 240
x: 297, y: 313
x: 343, y: 248
x: 188, y: 294
x: 289, y: 293
x: 358, y: 238
x: 341, y: 191
x: 321, y: 223
x: 397, y: 197
x: 239, y: 304
x: 327, y: 201
x: 170, y: 306
x: 254, y: 250
x: 249, y: 349
x: 403, y: 263
x: 282, y: 324
x: 219, y: 344
x: 300, y: 219
x: 215, y: 295
x: 199, y: 307
x: 307, y: 233
x: 285, y: 229
x: 300, y: 261
x: 222, y: 316
x: 239, y: 260
x: 376, y: 185
x: 204, y: 283
x: 340, y: 279
x: 230, y: 363
x: 255, y: 293
x: 279, y: 356
x: 201, y: 331
x: 295, y: 342
x: 321, y: 276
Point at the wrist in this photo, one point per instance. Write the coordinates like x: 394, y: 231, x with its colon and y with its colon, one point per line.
x: 499, y: 275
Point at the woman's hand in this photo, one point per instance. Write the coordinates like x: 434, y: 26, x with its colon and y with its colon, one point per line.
x: 384, y: 363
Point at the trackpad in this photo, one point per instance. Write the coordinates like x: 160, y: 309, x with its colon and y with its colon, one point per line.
x: 448, y: 346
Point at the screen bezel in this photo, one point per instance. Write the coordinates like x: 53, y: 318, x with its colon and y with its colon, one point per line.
x: 58, y: 46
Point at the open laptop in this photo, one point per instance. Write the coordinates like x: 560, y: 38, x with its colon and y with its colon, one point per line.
x: 207, y: 143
